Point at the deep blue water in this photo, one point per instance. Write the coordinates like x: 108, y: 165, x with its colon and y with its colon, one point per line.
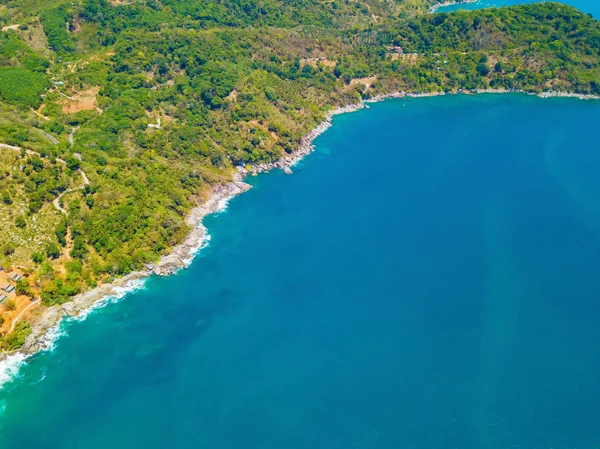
x: 427, y: 279
x: 587, y: 6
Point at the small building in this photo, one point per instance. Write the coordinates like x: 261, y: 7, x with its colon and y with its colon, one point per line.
x: 3, y: 298
x: 7, y: 287
x: 15, y: 276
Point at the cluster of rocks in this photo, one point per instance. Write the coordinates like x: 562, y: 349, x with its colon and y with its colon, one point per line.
x: 181, y: 255
x: 42, y: 323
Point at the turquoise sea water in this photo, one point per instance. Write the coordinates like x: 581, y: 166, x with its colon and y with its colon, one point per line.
x: 587, y: 6
x: 427, y: 279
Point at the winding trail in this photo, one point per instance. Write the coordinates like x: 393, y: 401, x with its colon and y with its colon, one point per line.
x: 56, y: 201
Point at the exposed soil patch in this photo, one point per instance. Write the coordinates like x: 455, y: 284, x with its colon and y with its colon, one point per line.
x: 316, y: 61
x: 81, y: 101
x: 367, y: 82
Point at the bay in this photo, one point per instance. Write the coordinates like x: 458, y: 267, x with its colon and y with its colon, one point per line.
x: 427, y: 278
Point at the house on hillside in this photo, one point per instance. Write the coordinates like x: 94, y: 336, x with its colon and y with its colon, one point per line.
x: 396, y: 49
x: 15, y: 277
x: 7, y: 287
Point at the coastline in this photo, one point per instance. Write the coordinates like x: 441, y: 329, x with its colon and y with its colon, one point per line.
x: 434, y: 8
x: 45, y: 326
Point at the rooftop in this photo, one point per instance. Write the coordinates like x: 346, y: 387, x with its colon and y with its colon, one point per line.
x: 7, y: 287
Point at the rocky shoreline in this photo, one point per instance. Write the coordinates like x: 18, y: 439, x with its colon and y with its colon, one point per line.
x: 182, y: 255
x: 548, y: 94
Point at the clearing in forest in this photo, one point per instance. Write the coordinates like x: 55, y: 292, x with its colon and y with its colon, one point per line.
x: 81, y: 101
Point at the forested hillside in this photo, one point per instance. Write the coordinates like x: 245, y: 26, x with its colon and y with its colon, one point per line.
x: 129, y: 112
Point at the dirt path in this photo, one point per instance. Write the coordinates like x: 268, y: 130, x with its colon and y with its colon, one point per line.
x: 50, y: 137
x: 40, y: 115
x: 56, y: 201
x: 72, y: 135
x: 20, y: 315
x: 66, y: 96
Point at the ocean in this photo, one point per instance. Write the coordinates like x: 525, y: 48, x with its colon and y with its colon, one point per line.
x: 427, y: 278
x: 588, y: 6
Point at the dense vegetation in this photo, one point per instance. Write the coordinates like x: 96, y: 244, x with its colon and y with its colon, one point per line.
x: 22, y: 86
x: 17, y: 337
x: 56, y: 25
x: 233, y: 83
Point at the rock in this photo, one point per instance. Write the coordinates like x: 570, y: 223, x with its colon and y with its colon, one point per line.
x: 69, y: 308
x: 30, y: 347
x: 287, y: 170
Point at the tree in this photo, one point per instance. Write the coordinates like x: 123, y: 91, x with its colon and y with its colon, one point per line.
x: 16, y: 338
x: 270, y: 94
x: 6, y: 197
x: 482, y: 69
x: 8, y: 249
x: 61, y: 232
x: 79, y: 250
x: 20, y: 221
x: 52, y: 251
x: 23, y: 287
x: 37, y: 257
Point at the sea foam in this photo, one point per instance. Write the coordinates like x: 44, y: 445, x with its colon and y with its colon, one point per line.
x: 9, y: 367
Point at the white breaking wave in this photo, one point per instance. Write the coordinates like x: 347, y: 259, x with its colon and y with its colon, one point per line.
x: 202, y: 243
x: 222, y: 205
x: 118, y: 294
x: 9, y: 367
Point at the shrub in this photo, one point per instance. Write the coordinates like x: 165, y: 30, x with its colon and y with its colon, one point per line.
x: 16, y: 338
x: 52, y: 251
x: 8, y: 249
x: 20, y: 221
